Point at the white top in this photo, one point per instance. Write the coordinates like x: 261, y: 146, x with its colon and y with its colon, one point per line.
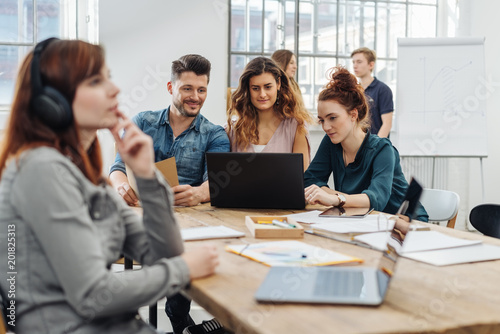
x: 258, y: 148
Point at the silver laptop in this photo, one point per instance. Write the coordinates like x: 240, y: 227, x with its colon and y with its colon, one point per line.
x: 338, y: 285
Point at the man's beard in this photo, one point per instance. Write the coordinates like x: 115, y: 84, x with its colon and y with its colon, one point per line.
x: 180, y: 107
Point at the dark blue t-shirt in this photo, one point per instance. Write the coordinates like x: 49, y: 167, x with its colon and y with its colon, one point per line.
x: 379, y: 97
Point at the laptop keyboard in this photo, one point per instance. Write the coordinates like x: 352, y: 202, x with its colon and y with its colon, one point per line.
x: 339, y: 283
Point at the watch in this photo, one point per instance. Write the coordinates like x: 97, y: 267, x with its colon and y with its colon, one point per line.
x: 341, y: 200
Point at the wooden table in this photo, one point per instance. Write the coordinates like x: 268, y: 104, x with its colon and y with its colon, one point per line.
x: 421, y: 298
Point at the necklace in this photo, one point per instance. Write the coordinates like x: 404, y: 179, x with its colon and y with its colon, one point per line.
x: 344, y: 155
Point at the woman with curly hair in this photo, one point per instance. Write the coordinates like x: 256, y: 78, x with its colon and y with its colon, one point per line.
x: 366, y: 168
x: 264, y: 115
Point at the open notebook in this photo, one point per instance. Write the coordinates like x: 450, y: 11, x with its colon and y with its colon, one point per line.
x: 290, y: 253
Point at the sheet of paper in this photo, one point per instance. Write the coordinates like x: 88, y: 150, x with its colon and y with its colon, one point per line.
x: 209, y: 232
x: 418, y: 241
x: 368, y: 224
x: 308, y: 217
x: 457, y: 255
x: 290, y: 253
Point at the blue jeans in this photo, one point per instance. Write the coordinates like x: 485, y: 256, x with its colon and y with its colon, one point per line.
x: 177, y: 309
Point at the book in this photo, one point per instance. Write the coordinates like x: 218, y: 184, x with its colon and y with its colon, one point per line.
x: 345, y: 229
x: 209, y: 232
x: 290, y: 253
x: 167, y: 167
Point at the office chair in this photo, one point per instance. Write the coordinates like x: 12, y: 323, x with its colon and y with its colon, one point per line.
x: 486, y: 219
x: 441, y: 205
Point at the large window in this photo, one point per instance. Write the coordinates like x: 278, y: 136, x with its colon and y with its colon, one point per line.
x: 23, y: 23
x: 323, y: 33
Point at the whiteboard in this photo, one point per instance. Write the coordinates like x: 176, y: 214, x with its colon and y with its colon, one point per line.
x: 441, y: 97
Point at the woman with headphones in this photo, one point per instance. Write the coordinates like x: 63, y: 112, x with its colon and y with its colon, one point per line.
x: 64, y: 222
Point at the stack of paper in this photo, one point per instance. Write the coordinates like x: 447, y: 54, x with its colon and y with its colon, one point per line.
x: 209, y: 232
x: 346, y: 228
x: 290, y: 253
x: 436, y: 248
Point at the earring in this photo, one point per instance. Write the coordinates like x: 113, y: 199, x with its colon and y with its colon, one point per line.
x: 278, y: 98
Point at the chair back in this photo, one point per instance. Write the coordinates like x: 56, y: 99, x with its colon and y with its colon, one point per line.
x: 441, y: 205
x: 486, y: 219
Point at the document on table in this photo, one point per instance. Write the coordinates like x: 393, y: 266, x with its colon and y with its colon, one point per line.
x: 209, y: 232
x: 436, y: 248
x: 418, y: 241
x: 457, y: 255
x: 290, y: 253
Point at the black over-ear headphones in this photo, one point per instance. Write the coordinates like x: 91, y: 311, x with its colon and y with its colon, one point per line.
x: 47, y: 102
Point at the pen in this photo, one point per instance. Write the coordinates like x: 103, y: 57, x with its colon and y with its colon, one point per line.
x: 282, y: 224
x: 301, y: 255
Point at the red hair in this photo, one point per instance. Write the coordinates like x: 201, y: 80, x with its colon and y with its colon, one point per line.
x: 344, y: 89
x: 64, y: 65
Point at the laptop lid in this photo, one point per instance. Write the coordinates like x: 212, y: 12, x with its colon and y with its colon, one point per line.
x: 256, y: 180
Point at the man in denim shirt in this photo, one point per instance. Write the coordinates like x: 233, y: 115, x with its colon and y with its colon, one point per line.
x: 180, y: 131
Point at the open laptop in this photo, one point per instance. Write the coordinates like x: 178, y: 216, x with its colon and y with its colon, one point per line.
x: 338, y: 285
x: 256, y: 180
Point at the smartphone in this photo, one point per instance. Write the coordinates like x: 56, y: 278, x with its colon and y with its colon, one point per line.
x: 346, y: 212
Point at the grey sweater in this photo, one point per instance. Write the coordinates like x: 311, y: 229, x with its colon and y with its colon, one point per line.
x: 68, y: 232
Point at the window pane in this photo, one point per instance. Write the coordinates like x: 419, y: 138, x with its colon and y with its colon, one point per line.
x: 238, y: 25
x: 386, y: 72
x: 49, y: 24
x: 272, y: 27
x: 289, y: 31
x: 422, y: 21
x: 237, y: 65
x: 10, y: 58
x: 305, y: 79
x: 255, y: 33
x: 429, y: 2
x: 391, y: 24
x: 349, y: 27
x: 327, y: 28
x: 367, y: 25
x: 16, y: 21
x: 306, y: 10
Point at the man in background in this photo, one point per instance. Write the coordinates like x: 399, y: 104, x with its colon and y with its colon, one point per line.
x: 180, y: 131
x: 378, y: 94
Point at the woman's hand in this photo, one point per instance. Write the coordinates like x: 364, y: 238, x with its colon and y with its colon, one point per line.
x: 316, y: 195
x: 201, y: 261
x: 135, y: 147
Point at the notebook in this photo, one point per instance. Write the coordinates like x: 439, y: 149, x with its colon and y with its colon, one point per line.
x: 338, y: 285
x: 290, y: 253
x: 256, y: 180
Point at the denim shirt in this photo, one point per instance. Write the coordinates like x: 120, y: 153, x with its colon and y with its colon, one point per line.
x: 188, y: 148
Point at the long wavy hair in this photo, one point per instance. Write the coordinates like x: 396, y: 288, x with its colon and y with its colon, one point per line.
x: 64, y: 64
x: 243, y: 117
x: 344, y: 89
x: 282, y: 58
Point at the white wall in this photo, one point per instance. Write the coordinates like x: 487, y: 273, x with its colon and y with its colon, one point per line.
x: 142, y: 38
x: 483, y: 15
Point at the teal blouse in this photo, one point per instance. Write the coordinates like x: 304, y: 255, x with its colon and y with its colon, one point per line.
x: 376, y: 172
